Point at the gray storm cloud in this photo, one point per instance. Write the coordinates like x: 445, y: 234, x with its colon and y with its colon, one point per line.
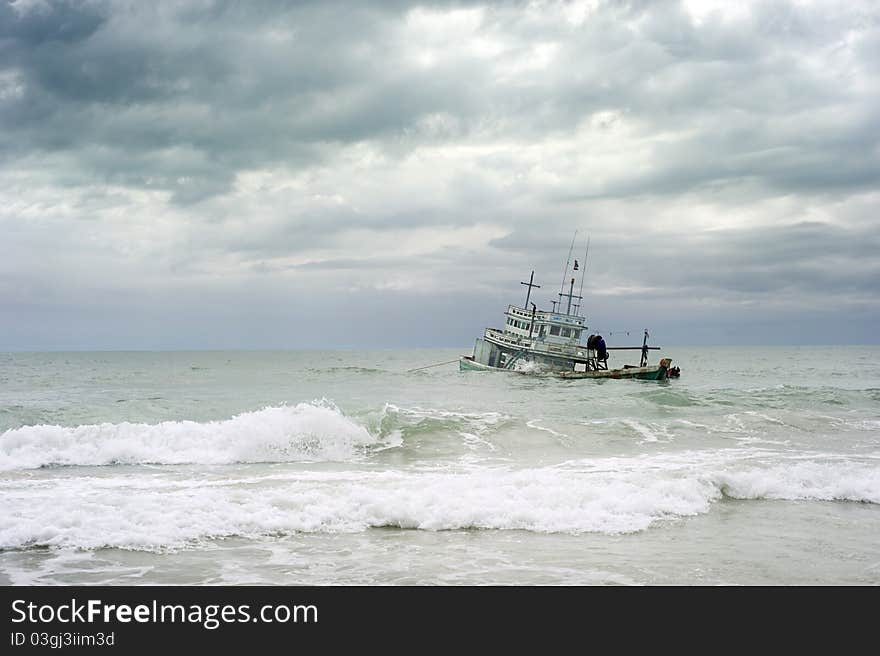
x: 209, y: 174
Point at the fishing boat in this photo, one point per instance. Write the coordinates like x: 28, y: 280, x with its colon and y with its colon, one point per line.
x: 556, y: 342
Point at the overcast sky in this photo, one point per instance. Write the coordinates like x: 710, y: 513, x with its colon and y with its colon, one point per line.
x: 278, y: 174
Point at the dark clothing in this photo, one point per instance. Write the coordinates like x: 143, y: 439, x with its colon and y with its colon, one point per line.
x: 601, y: 349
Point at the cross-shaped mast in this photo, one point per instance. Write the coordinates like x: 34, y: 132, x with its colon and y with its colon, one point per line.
x: 529, y: 292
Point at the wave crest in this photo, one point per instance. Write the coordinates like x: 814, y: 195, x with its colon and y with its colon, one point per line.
x: 306, y: 431
x: 611, y: 496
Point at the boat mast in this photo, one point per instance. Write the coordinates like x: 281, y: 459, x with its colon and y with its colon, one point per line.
x: 529, y: 292
x: 570, y: 295
x: 565, y: 271
x: 583, y: 274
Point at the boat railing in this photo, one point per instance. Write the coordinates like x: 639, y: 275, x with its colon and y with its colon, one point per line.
x: 570, y: 351
x: 498, y: 336
x: 512, y: 309
x: 545, y: 316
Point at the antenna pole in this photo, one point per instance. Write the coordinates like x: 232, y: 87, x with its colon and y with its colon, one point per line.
x: 567, y: 262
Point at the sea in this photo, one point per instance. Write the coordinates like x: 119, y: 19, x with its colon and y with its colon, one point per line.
x: 758, y: 466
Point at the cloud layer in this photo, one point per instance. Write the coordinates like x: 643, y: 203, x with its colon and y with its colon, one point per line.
x: 208, y: 173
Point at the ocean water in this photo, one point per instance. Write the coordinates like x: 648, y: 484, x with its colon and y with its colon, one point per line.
x: 757, y: 466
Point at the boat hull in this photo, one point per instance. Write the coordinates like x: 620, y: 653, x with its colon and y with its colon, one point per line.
x: 655, y: 372
x: 467, y: 363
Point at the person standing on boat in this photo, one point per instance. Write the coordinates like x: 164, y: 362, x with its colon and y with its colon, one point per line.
x: 601, y: 349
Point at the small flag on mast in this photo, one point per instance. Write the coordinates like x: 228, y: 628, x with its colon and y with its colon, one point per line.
x: 575, y: 265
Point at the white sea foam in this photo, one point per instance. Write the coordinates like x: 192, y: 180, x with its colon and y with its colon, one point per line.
x: 475, y: 442
x: 650, y: 433
x: 533, y: 423
x: 826, y: 481
x: 606, y: 495
x: 307, y: 431
x: 481, y: 419
x: 476, y: 424
x: 528, y: 367
x: 865, y: 424
x: 79, y: 513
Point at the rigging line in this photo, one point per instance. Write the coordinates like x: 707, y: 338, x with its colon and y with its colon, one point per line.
x: 436, y: 364
x: 622, y: 330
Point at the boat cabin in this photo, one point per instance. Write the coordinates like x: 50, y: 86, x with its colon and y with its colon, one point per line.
x: 549, y: 327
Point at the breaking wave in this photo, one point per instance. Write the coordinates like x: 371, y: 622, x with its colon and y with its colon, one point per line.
x: 307, y: 431
x: 611, y: 495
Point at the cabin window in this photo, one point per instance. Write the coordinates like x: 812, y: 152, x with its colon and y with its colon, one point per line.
x: 554, y: 330
x: 576, y: 334
x: 566, y: 332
